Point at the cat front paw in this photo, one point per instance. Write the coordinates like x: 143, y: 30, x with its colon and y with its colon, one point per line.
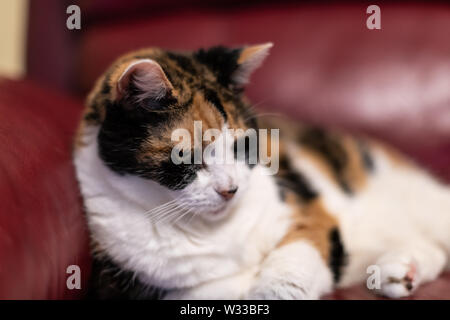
x: 399, y: 278
x: 294, y: 271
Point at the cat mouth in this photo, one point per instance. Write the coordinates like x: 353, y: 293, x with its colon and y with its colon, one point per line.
x: 222, y: 209
x: 218, y: 211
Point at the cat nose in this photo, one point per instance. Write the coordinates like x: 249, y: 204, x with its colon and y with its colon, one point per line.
x: 227, y: 194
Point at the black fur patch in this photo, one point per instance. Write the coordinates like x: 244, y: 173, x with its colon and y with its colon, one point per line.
x: 331, y: 150
x: 93, y: 116
x: 121, y: 133
x: 176, y: 176
x: 338, y: 257
x: 293, y: 180
x: 212, y: 97
x: 121, y: 136
x: 183, y: 61
x: 221, y: 61
x: 109, y: 282
x: 106, y: 89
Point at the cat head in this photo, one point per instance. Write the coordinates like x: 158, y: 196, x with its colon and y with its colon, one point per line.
x: 146, y: 99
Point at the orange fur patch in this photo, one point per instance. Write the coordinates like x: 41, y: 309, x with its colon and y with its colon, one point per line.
x: 311, y: 222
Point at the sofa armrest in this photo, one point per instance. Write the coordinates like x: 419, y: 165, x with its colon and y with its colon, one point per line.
x: 42, y: 227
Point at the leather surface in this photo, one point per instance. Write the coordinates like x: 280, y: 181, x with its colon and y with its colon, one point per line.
x: 42, y: 227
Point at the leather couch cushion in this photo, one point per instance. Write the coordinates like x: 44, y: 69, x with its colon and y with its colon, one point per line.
x: 42, y: 228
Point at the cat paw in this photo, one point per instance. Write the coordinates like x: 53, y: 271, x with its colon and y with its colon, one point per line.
x: 399, y: 278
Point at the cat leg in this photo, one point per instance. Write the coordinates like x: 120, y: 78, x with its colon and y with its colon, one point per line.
x: 293, y: 271
x: 298, y: 267
x: 403, y: 270
x: 231, y: 287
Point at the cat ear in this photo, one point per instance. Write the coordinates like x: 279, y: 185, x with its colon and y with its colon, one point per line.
x: 143, y: 79
x: 250, y: 58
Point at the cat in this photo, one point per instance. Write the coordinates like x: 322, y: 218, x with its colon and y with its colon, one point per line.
x: 337, y: 205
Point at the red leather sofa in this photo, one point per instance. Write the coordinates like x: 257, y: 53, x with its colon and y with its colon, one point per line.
x: 326, y: 67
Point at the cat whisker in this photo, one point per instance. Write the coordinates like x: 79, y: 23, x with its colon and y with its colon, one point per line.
x: 161, y: 207
x: 168, y: 214
x: 189, y: 210
x: 163, y: 215
x: 183, y: 212
x: 190, y: 219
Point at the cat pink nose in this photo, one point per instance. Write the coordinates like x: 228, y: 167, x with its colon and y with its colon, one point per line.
x: 228, y: 193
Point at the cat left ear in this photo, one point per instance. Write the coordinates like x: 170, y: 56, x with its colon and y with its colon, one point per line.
x: 143, y: 79
x: 250, y: 58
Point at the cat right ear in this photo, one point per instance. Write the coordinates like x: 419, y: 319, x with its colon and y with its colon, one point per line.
x: 141, y: 80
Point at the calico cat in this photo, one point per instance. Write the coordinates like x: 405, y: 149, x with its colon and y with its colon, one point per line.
x: 337, y: 205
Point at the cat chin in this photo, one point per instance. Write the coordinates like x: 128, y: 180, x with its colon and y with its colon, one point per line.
x: 215, y: 212
x: 217, y: 215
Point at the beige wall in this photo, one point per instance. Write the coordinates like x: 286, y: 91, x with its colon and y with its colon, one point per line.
x: 13, y: 19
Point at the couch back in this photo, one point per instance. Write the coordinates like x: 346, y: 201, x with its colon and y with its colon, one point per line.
x: 326, y: 66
